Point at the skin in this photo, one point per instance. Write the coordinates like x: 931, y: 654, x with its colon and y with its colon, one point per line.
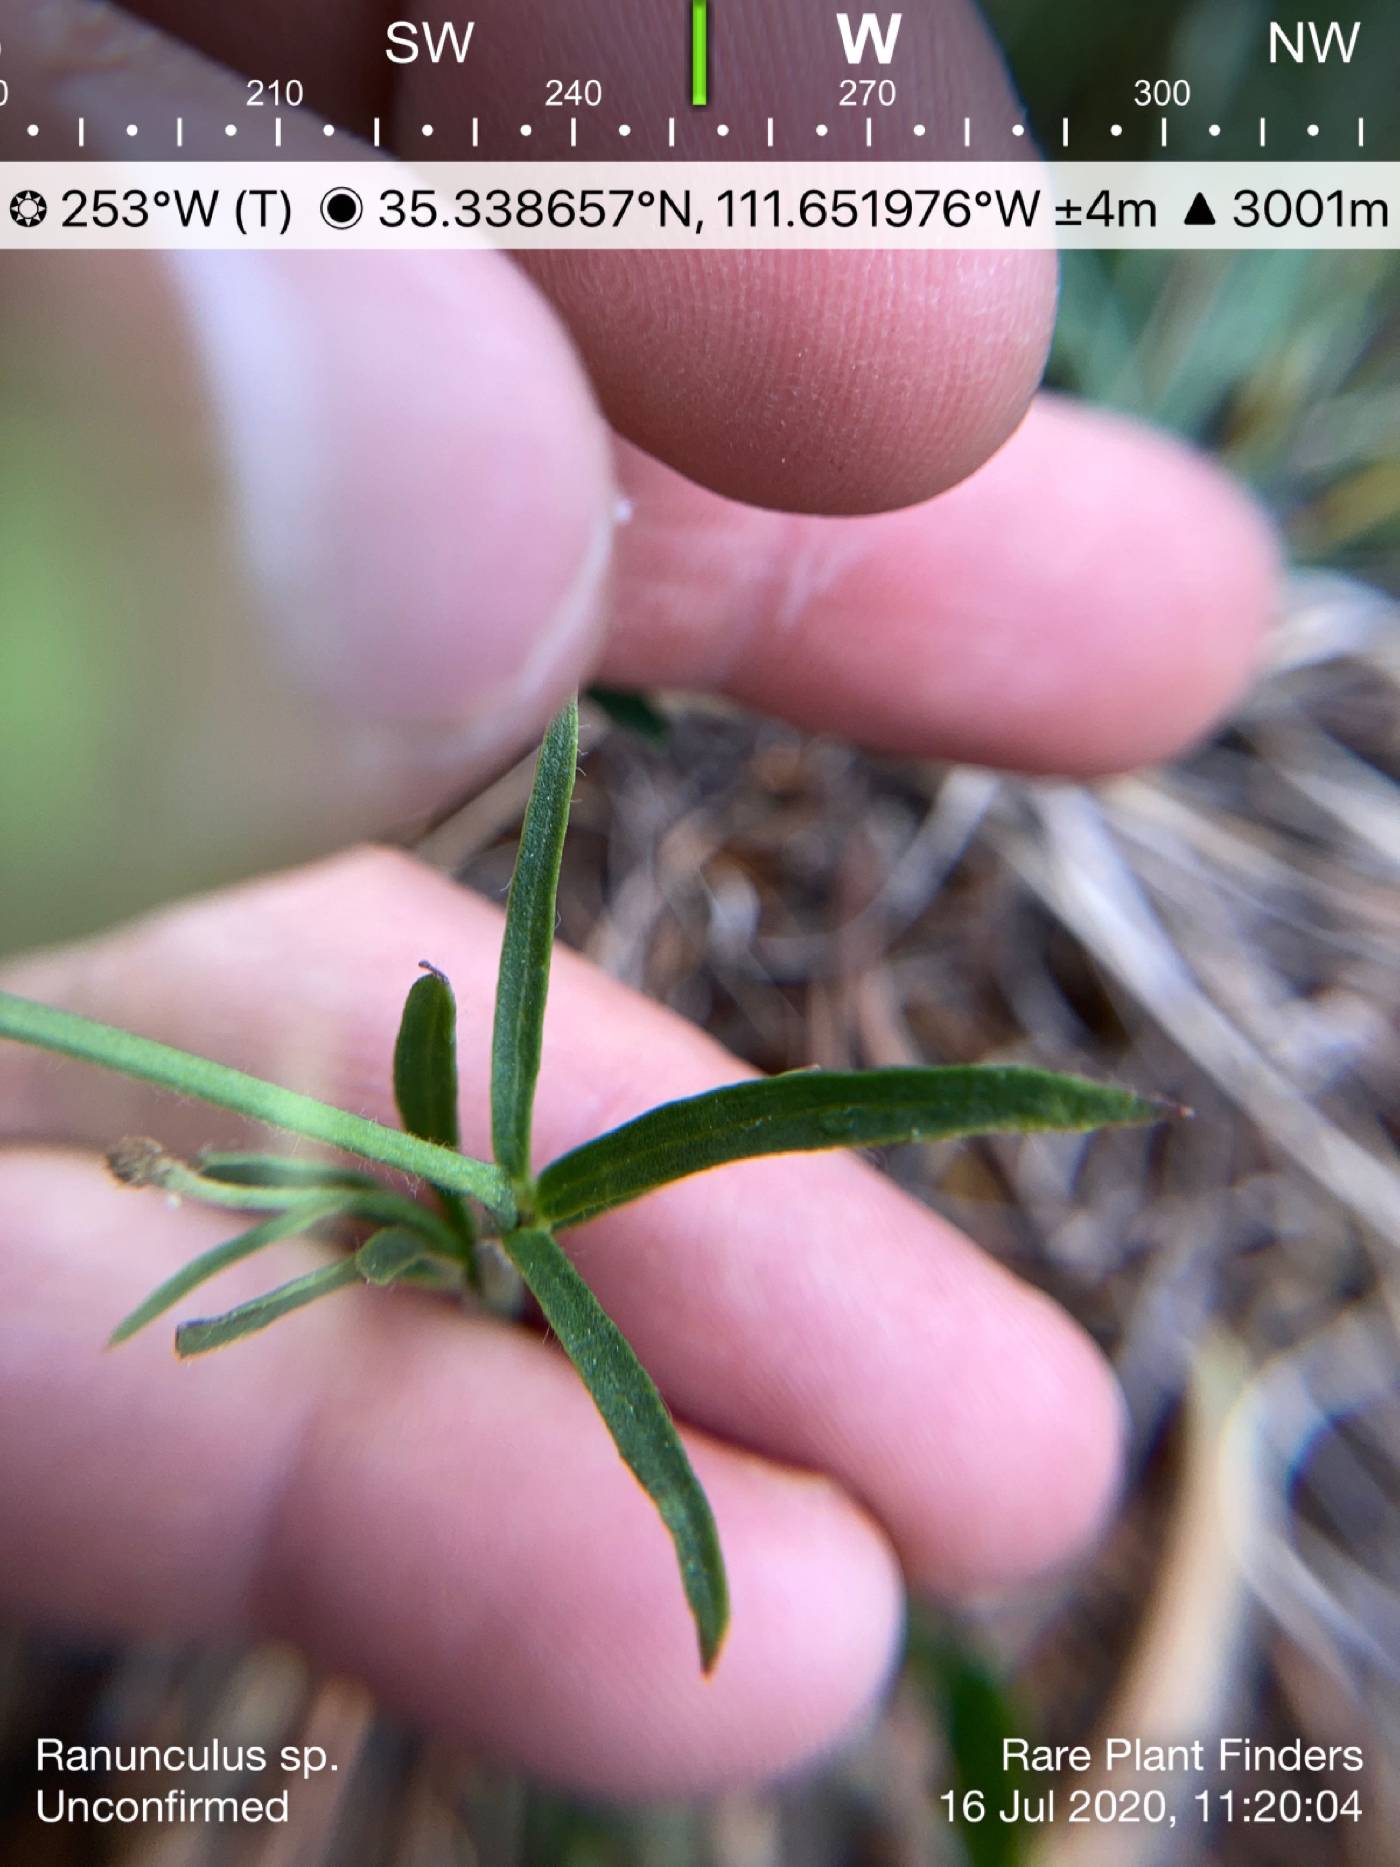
x: 427, y: 1503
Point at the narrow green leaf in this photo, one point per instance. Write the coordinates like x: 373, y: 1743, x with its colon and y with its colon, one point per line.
x: 138, y: 1161
x: 808, y: 1110
x: 140, y: 1057
x: 425, y: 1087
x: 425, y: 1060
x: 284, y: 1170
x: 635, y: 1414
x: 198, y: 1338
x: 634, y: 713
x: 300, y: 1218
x: 388, y: 1255
x: 529, y: 941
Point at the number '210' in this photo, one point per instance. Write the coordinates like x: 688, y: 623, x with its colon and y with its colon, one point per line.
x: 287, y: 95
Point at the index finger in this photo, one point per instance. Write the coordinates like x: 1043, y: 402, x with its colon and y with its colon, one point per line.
x: 812, y: 381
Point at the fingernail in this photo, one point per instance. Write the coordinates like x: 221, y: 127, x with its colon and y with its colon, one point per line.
x: 419, y: 478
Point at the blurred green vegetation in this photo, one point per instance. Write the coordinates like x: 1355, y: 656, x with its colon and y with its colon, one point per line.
x: 1082, y: 58
x: 1283, y: 363
x: 56, y: 685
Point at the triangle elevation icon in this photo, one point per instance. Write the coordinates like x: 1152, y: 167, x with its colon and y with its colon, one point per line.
x: 1199, y: 214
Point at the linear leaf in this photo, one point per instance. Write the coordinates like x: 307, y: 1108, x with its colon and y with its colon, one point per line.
x: 285, y: 1170
x: 198, y: 1338
x: 138, y: 1161
x: 388, y: 1254
x: 299, y: 1218
x: 529, y: 941
x: 635, y: 1414
x: 140, y: 1057
x: 425, y: 1061
x: 807, y: 1110
x: 425, y: 1087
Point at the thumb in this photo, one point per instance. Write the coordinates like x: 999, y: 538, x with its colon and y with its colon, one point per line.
x: 292, y: 547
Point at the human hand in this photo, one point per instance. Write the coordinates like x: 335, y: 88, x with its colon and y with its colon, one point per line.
x: 429, y: 1502
x: 297, y: 546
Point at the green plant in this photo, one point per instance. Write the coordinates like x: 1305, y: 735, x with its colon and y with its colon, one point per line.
x: 390, y: 1238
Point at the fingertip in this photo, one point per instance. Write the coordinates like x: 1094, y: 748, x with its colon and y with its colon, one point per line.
x: 1120, y: 585
x: 1106, y: 592
x: 1174, y: 610
x: 867, y: 381
x: 1046, y: 1466
x: 965, y: 402
x: 816, y: 1628
x: 1094, y: 598
x: 470, y: 1544
x: 823, y: 1599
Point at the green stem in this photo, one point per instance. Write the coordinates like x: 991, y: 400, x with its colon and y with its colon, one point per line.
x: 140, y: 1057
x: 145, y: 1163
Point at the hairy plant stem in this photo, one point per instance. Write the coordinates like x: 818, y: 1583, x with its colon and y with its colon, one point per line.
x: 146, y: 1163
x: 167, y: 1068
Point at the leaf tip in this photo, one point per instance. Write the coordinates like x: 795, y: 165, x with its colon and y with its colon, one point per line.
x: 381, y: 1260
x: 194, y: 1338
x: 1163, y: 1108
x: 132, y: 1324
x: 712, y: 1646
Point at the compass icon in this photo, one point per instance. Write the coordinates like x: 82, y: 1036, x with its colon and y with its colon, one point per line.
x: 28, y: 209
